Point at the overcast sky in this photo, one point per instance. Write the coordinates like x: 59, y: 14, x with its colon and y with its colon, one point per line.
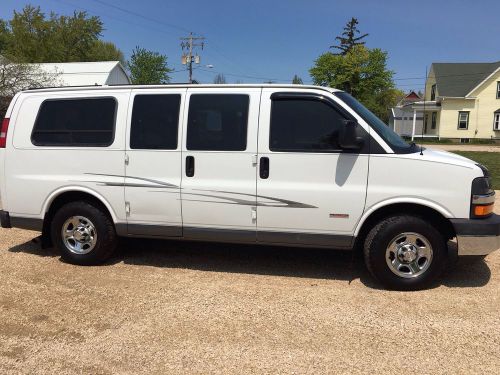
x: 257, y: 40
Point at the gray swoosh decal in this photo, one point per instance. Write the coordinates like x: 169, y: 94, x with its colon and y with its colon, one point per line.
x: 128, y: 184
x: 285, y: 202
x: 164, y: 184
x: 276, y: 202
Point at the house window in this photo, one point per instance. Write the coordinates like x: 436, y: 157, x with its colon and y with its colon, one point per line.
x: 496, y: 120
x: 433, y: 92
x: 434, y: 120
x: 463, y: 120
x: 498, y: 90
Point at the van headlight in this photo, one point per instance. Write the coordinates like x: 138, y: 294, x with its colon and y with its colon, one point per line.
x: 483, y: 195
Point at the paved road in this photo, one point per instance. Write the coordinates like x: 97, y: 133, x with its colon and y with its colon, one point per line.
x: 464, y: 147
x: 192, y: 308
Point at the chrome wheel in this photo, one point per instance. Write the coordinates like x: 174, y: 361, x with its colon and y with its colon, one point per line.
x: 409, y: 255
x: 79, y: 235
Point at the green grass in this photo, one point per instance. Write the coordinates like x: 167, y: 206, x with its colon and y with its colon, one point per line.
x: 420, y: 140
x: 446, y: 141
x: 490, y: 159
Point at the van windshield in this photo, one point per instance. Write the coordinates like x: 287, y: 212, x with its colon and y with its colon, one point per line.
x: 386, y: 133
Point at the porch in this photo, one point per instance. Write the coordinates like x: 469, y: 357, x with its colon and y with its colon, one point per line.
x: 419, y: 119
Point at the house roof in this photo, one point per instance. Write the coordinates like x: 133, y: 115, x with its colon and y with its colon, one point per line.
x: 87, y: 73
x: 459, y: 79
x: 412, y: 95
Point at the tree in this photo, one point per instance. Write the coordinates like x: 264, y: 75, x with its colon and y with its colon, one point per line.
x: 348, y: 39
x: 148, y: 67
x: 106, y: 51
x: 32, y: 37
x: 361, y: 72
x: 219, y: 79
x: 17, y: 77
x: 4, y: 35
x: 297, y: 80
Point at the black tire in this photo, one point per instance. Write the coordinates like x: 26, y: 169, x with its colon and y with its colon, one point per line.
x: 106, y: 238
x: 382, y: 235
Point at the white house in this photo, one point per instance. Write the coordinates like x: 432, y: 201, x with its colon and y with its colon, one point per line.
x: 86, y: 73
x: 401, y: 115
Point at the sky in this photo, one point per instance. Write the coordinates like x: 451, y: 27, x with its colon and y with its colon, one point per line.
x: 258, y: 40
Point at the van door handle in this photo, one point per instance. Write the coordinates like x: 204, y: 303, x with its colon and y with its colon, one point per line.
x: 190, y: 166
x: 264, y: 167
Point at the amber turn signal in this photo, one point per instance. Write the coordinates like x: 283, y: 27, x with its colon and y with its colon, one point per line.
x: 483, y: 210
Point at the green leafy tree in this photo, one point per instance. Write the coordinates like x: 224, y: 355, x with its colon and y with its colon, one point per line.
x: 106, y: 51
x: 148, y: 67
x: 349, y: 39
x: 361, y: 72
x: 4, y: 35
x: 297, y: 80
x: 32, y: 37
x: 219, y: 79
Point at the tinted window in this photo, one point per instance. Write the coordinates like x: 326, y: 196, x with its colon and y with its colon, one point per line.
x: 155, y: 120
x: 386, y: 133
x: 217, y: 122
x: 304, y: 125
x: 75, y: 122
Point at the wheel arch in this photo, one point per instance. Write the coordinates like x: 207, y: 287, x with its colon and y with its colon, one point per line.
x: 70, y: 194
x: 434, y: 213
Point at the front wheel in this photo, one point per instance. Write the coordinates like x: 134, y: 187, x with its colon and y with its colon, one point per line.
x: 83, y: 233
x: 405, y: 252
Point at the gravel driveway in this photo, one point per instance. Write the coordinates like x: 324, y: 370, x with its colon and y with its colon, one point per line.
x: 167, y: 307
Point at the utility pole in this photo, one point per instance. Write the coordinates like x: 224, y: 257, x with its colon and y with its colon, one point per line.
x: 188, y: 44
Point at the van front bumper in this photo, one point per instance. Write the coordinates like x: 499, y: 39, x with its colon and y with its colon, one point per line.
x: 477, y: 236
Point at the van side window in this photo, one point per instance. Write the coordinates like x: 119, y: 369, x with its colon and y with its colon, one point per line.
x: 217, y: 122
x: 304, y: 125
x: 155, y: 122
x: 75, y: 122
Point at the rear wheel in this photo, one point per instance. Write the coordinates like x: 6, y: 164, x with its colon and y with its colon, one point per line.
x: 405, y: 252
x: 83, y: 233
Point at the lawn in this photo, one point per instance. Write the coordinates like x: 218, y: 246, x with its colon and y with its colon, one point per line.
x: 490, y: 159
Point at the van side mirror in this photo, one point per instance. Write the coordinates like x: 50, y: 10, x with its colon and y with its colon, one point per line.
x: 349, y: 139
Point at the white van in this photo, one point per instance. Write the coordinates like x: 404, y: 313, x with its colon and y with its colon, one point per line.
x: 266, y: 164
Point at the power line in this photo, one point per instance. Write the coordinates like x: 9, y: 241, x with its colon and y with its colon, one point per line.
x: 249, y: 76
x: 445, y: 75
x: 141, y: 15
x: 107, y: 15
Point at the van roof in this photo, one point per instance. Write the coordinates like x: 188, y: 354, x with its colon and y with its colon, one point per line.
x: 178, y: 85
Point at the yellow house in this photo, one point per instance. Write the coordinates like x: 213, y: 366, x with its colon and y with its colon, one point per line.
x: 462, y: 102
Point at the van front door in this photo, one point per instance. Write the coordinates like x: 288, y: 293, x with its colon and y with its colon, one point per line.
x: 153, y: 163
x: 309, y: 191
x: 219, y: 164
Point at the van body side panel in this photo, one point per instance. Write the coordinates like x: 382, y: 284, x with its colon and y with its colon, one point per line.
x: 308, y: 192
x: 153, y: 176
x: 36, y: 173
x: 415, y: 178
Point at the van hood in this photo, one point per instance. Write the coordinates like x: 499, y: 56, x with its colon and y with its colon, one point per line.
x: 444, y: 157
